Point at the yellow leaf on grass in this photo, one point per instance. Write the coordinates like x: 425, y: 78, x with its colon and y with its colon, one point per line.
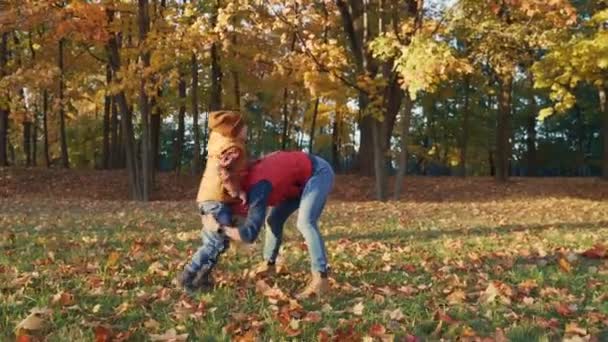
x: 565, y: 265
x: 113, y: 259
x: 456, y: 297
x: 574, y: 329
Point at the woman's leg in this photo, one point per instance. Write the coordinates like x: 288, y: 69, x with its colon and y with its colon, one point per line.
x: 274, y: 228
x: 314, y: 197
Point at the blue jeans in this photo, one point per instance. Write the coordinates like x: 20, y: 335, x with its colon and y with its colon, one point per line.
x: 214, y: 243
x: 310, y: 205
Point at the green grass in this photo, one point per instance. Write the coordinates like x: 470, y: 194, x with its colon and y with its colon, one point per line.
x: 66, y: 245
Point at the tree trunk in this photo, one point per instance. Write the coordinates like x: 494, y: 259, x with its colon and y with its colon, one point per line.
x: 312, y: 126
x: 366, y: 147
x: 179, y: 139
x: 464, y: 143
x: 405, y: 128
x: 531, y: 137
x: 107, y: 109
x: 4, y: 109
x: 379, y: 161
x: 503, y: 147
x: 285, y: 134
x: 216, y: 80
x: 155, y: 126
x: 335, y: 141
x: 35, y: 136
x: 115, y: 145
x: 27, y: 138
x: 580, y: 142
x: 144, y: 103
x: 604, y: 110
x: 197, y: 165
x: 65, y: 162
x: 45, y: 127
x: 125, y: 119
x: 215, y: 102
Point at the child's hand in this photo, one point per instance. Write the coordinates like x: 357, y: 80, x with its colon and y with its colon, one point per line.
x: 210, y: 223
x: 243, y: 197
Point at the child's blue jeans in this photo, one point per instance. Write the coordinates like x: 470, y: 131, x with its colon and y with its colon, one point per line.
x: 213, y: 243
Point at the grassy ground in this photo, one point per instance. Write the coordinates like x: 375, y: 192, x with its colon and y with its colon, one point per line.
x: 481, y: 264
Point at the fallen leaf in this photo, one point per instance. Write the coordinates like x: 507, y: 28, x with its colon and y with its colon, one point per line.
x: 169, y: 336
x: 574, y: 329
x: 63, y: 298
x: 358, y: 309
x: 313, y: 317
x: 151, y: 324
x: 377, y: 330
x: 36, y: 320
x: 564, y: 265
x: 456, y: 297
x: 596, y: 252
x: 112, y: 260
x: 103, y: 333
x: 563, y: 309
x: 158, y: 269
x: 397, y: 315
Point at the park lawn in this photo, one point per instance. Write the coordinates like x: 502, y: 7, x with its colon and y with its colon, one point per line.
x: 524, y: 269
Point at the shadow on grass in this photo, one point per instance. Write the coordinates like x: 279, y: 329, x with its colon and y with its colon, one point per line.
x: 427, y: 235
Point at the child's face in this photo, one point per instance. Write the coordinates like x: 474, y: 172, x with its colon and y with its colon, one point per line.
x: 243, y: 133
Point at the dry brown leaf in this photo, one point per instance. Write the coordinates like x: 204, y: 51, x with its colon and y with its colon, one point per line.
x: 169, y: 336
x: 35, y: 321
x: 63, y: 298
x: 598, y: 251
x: 313, y: 317
x: 103, y: 333
x: 358, y: 309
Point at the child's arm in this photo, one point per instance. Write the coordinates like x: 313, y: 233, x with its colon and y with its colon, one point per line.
x: 230, y: 180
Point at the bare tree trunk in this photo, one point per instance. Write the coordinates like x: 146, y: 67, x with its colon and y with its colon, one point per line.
x: 45, y: 127
x: 312, y: 126
x: 179, y: 139
x: 531, y: 137
x: 27, y: 138
x: 379, y: 161
x: 405, y: 128
x: 107, y: 109
x: 284, y: 135
x: 115, y: 145
x: 155, y: 127
x: 580, y: 140
x: 65, y: 162
x: 215, y: 102
x: 197, y: 165
x: 464, y: 144
x: 35, y: 136
x: 125, y: 119
x: 335, y: 141
x: 503, y: 146
x: 4, y: 109
x: 604, y: 110
x: 144, y: 103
